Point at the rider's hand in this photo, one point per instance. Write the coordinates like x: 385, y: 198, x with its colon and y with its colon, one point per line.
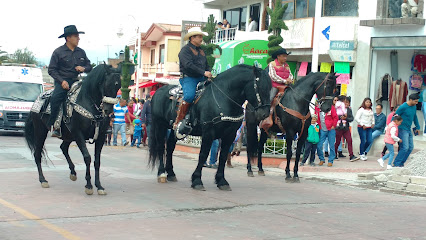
x: 80, y: 69
x: 208, y: 74
x: 289, y: 81
x: 65, y: 85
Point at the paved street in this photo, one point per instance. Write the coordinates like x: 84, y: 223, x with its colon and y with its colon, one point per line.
x: 137, y: 207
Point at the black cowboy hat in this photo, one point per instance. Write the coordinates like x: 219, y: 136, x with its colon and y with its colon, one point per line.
x: 279, y: 52
x: 68, y: 30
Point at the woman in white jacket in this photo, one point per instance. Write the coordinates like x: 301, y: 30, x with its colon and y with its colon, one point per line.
x: 365, y: 118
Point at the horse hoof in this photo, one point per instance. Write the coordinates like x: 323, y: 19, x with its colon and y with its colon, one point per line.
x: 73, y: 177
x: 102, y: 192
x: 296, y: 180
x: 162, y: 178
x: 250, y: 174
x: 172, y: 179
x: 225, y: 188
x: 199, y: 187
x: 45, y: 185
x: 261, y: 173
x: 88, y: 191
x: 289, y: 180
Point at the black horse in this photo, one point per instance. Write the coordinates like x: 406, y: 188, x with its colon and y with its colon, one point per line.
x: 97, y: 96
x: 294, y: 117
x: 216, y: 114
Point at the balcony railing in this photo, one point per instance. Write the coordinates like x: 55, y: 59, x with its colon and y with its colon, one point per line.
x: 153, y: 69
x: 225, y: 35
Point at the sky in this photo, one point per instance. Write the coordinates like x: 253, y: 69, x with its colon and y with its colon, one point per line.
x: 37, y: 24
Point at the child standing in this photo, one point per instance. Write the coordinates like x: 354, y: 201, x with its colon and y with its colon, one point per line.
x: 391, y: 137
x: 137, y: 133
x: 311, y: 141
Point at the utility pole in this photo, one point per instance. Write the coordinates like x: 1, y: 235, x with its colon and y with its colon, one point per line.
x: 107, y: 51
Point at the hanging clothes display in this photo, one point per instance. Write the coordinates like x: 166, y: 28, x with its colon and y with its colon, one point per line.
x: 398, y: 93
x: 418, y: 63
x: 394, y: 64
x: 384, y: 87
x: 416, y: 82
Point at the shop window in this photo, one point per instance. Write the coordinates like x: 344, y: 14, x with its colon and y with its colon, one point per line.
x: 299, y: 9
x: 237, y: 17
x: 152, y: 56
x: 162, y: 53
x: 255, y: 15
x: 346, y: 8
x: 394, y: 8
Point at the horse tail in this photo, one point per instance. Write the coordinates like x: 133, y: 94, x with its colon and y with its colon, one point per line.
x: 156, y: 143
x: 252, y: 141
x: 29, y: 133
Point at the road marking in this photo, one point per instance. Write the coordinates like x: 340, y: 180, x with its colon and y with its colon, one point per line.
x: 33, y: 217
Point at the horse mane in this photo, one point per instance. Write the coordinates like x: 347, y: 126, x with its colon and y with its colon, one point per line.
x: 224, y: 77
x: 311, y: 74
x: 94, y: 78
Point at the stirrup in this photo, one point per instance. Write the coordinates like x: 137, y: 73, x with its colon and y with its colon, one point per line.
x: 182, y: 130
x: 56, y: 133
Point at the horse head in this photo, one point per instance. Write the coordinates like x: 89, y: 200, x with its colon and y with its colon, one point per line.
x: 325, y: 90
x: 111, y: 85
x: 258, y: 96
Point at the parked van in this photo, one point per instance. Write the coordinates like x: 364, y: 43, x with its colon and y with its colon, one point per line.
x: 20, y: 85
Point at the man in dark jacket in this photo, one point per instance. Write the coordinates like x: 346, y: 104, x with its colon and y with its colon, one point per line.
x: 379, y: 125
x: 66, y: 63
x: 193, y: 67
x: 146, y: 115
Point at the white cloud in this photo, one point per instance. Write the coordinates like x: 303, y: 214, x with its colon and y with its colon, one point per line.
x: 37, y: 24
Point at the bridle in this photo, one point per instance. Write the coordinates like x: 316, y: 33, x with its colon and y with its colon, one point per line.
x: 324, y: 97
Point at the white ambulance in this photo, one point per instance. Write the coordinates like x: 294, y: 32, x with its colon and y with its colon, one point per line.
x: 20, y: 86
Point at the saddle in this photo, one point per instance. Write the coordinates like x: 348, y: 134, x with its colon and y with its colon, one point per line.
x: 42, y: 104
x: 176, y: 93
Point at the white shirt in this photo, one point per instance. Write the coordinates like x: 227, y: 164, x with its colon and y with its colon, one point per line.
x: 365, y: 117
x: 252, y: 26
x: 412, y: 3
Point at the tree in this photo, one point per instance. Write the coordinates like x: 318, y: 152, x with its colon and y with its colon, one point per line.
x: 3, y: 56
x: 24, y: 56
x: 209, y: 48
x: 125, y: 74
x: 275, y: 27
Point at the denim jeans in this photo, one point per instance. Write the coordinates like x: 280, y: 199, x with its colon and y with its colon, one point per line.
x: 374, y: 135
x: 134, y: 140
x: 310, y: 149
x: 327, y: 146
x: 213, y: 151
x: 406, y: 147
x: 122, y: 128
x: 424, y: 114
x: 189, y: 85
x: 365, y: 136
x: 390, y: 155
x: 331, y: 137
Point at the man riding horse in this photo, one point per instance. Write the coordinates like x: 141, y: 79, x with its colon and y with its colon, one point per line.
x: 193, y: 67
x: 280, y: 74
x: 66, y: 63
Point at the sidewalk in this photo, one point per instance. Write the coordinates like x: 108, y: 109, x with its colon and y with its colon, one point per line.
x: 342, y: 169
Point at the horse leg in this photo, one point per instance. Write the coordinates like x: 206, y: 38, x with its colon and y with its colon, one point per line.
x: 171, y: 144
x: 87, y: 160
x: 98, y: 149
x: 249, y: 170
x: 64, y: 147
x: 206, y: 144
x: 40, y: 133
x: 161, y: 138
x: 220, y: 180
x: 300, y: 144
x: 289, y: 142
x: 262, y: 141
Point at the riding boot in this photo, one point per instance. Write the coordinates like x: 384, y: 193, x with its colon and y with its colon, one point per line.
x: 228, y: 161
x: 181, y: 113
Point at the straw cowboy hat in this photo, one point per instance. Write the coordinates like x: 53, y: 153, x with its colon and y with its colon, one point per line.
x: 71, y: 29
x: 194, y: 31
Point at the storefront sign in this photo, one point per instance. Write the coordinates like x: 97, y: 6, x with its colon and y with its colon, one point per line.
x: 299, y: 33
x: 342, y: 56
x: 342, y: 45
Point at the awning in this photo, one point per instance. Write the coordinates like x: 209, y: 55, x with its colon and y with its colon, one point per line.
x: 143, y: 85
x: 170, y: 80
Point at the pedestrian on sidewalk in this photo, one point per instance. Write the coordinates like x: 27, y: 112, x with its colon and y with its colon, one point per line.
x: 327, y: 123
x: 345, y: 131
x: 129, y: 120
x: 311, y: 142
x: 365, y: 119
x: 388, y: 121
x: 109, y: 134
x: 341, y: 111
x: 146, y: 118
x: 391, y: 137
x: 408, y: 113
x: 137, y: 133
x: 213, y: 154
x: 120, y: 112
x: 379, y: 125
